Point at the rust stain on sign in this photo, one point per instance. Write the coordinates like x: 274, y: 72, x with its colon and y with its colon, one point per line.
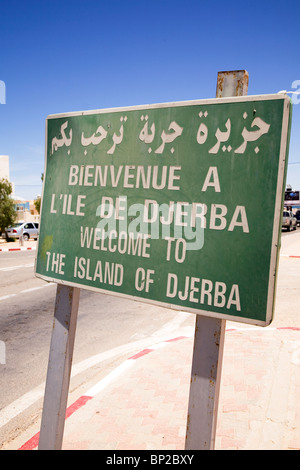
x: 232, y: 83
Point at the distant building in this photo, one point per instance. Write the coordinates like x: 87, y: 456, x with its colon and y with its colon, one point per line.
x: 291, y: 198
x: 4, y: 169
x: 26, y: 211
x: 4, y: 166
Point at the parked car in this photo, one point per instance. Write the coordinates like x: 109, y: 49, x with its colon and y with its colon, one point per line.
x: 289, y: 221
x: 28, y: 229
x: 16, y: 225
x: 298, y: 217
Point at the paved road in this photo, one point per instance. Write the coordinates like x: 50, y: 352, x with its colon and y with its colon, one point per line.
x: 107, y: 327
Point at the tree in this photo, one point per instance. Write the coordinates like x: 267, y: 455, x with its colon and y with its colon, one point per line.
x: 7, y: 208
x: 37, y: 204
x: 38, y: 200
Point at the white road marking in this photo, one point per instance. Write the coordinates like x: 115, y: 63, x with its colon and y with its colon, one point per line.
x: 25, y: 401
x: 108, y: 378
x: 7, y: 296
x: 27, y: 290
x: 12, y: 268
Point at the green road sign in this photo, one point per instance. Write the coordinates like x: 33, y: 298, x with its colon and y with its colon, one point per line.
x: 176, y: 204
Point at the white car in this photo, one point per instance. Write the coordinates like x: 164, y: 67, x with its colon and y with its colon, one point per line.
x: 289, y: 221
x: 28, y: 229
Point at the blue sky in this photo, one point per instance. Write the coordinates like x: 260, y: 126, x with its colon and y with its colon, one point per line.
x: 61, y: 56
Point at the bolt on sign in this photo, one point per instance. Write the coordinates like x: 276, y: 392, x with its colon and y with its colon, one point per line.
x: 176, y: 204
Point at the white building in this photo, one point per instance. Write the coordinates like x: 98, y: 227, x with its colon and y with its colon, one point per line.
x: 4, y: 166
x: 4, y: 169
x: 26, y: 211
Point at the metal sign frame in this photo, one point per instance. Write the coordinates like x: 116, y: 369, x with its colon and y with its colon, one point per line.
x: 264, y: 318
x: 208, y: 341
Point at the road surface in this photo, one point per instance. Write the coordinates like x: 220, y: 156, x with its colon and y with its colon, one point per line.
x: 109, y: 329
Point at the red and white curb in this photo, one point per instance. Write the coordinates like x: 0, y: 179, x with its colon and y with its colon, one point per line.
x: 21, y: 248
x: 32, y: 443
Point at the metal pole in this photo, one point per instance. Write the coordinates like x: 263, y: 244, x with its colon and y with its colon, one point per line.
x: 205, y: 383
x: 59, y: 367
x: 209, y: 335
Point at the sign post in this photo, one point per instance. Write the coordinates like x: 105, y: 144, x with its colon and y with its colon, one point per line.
x: 174, y: 204
x: 209, y: 336
x: 59, y: 368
